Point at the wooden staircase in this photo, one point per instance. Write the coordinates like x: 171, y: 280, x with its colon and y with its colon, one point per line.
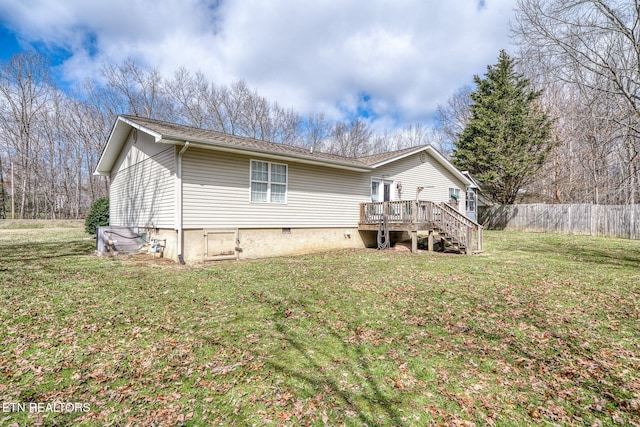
x: 452, y: 226
x: 456, y: 229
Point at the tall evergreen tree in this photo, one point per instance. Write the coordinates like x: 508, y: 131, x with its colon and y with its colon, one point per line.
x: 508, y: 137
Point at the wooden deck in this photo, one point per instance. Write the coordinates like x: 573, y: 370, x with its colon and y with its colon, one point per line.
x: 423, y: 215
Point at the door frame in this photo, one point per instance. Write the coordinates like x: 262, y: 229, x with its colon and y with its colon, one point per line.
x: 382, y: 183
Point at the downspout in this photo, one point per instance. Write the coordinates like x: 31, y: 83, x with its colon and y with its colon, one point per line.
x: 179, y: 213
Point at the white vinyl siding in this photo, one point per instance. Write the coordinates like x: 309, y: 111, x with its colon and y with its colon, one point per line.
x: 412, y: 173
x: 142, y: 187
x: 217, y: 194
x: 268, y: 182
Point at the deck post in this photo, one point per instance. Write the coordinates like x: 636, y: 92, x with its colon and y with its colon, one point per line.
x: 430, y: 242
x: 414, y: 241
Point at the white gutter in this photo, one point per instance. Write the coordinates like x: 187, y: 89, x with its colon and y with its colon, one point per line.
x: 179, y: 207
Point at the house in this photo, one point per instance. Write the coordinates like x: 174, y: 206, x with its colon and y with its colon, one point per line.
x: 205, y: 195
x: 473, y: 191
x: 477, y: 201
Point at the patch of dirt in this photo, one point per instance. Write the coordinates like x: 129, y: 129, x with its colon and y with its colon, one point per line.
x: 144, y: 259
x: 402, y: 247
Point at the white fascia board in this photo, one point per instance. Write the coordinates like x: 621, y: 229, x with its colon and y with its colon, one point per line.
x: 401, y: 156
x: 449, y: 166
x: 436, y: 155
x: 155, y: 135
x: 474, y: 182
x: 112, y: 148
x: 117, y: 139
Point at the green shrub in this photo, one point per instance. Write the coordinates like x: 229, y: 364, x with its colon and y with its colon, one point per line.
x: 98, y: 215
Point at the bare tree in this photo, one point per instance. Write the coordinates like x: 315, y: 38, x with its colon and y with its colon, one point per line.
x: 25, y: 88
x: 188, y: 94
x: 412, y: 135
x: 452, y: 118
x: 350, y: 139
x: 286, y: 126
x: 91, y: 117
x: 3, y: 194
x: 234, y: 109
x: 140, y: 90
x: 600, y: 38
x: 315, y: 131
x: 590, y: 48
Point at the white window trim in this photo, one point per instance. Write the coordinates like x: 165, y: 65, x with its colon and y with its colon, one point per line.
x: 383, y: 181
x: 456, y: 202
x: 473, y: 200
x: 268, y: 182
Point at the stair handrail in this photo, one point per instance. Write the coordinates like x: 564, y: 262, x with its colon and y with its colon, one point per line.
x: 448, y: 219
x: 465, y: 235
x: 463, y: 218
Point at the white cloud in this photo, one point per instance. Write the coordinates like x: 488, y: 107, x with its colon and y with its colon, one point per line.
x: 406, y: 56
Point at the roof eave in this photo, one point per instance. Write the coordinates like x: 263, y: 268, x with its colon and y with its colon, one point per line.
x: 115, y: 142
x: 439, y: 158
x: 450, y: 167
x: 475, y: 183
x: 400, y: 156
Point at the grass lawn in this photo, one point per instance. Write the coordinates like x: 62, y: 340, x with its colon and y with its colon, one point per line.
x: 540, y: 329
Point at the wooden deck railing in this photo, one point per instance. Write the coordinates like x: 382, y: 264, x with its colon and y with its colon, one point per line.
x: 463, y: 229
x: 426, y: 215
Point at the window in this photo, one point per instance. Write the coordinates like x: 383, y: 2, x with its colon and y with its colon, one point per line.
x: 471, y: 200
x: 454, y: 194
x: 268, y: 182
x: 375, y: 191
x: 381, y: 190
x: 454, y: 197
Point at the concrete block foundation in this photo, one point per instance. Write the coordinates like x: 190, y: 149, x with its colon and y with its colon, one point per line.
x: 224, y: 244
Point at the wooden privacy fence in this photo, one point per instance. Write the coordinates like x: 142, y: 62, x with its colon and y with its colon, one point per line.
x: 587, y: 219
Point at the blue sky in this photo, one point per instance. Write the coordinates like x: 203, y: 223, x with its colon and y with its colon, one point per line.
x: 8, y: 44
x: 391, y: 62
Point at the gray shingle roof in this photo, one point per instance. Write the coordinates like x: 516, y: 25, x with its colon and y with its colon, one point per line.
x: 172, y: 131
x: 169, y: 132
x: 381, y: 157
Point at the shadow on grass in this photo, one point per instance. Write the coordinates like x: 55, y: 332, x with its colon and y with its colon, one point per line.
x: 621, y: 253
x: 358, y: 367
x: 36, y: 251
x: 605, y: 256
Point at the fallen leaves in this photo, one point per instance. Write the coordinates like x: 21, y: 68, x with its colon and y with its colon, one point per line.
x: 331, y: 339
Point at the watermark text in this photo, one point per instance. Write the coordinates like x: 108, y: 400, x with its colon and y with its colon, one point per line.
x: 38, y: 407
